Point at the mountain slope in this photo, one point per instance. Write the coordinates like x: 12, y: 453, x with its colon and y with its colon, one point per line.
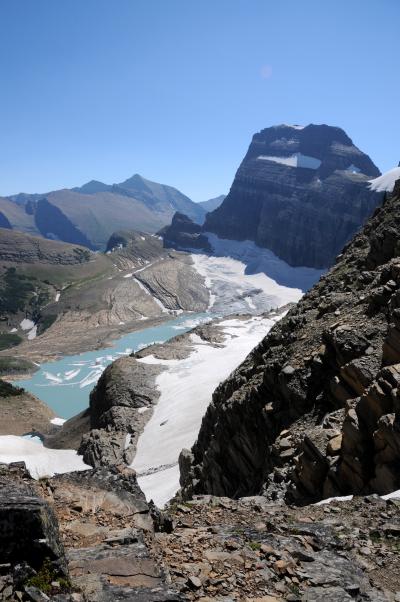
x: 76, y: 299
x: 300, y: 192
x: 89, y: 214
x: 314, y: 411
x: 214, y: 203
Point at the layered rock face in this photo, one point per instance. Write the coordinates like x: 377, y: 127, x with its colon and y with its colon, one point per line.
x: 300, y: 192
x: 314, y: 409
x: 17, y: 247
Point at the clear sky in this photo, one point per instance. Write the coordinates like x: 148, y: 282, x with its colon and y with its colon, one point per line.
x: 174, y: 89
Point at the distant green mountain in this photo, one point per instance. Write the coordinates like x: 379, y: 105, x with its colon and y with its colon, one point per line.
x: 89, y: 214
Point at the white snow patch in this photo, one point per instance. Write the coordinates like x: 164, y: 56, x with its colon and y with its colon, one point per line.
x: 385, y: 182
x: 395, y: 495
x: 162, y: 489
x: 340, y: 498
x: 353, y: 169
x: 250, y: 302
x: 294, y: 126
x: 295, y: 160
x: 39, y: 460
x: 143, y: 410
x: 57, y: 297
x: 128, y: 275
x: 57, y: 421
x: 14, y: 330
x: 128, y: 439
x: 32, y: 333
x: 27, y: 324
x: 238, y: 270
x: 185, y: 392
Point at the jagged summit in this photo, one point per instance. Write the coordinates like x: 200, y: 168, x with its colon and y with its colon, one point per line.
x: 301, y: 192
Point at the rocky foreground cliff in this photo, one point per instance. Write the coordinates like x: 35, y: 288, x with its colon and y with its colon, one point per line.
x: 313, y: 411
x: 301, y: 192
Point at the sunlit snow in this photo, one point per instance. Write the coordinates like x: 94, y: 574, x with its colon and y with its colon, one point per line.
x: 296, y: 160
x: 185, y: 392
x: 39, y: 460
x: 385, y: 182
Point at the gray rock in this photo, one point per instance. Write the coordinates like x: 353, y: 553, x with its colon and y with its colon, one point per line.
x: 296, y: 211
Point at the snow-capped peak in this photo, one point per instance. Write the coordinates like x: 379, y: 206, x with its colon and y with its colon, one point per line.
x: 385, y: 182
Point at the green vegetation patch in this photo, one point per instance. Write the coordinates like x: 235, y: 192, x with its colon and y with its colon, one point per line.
x: 8, y: 390
x: 16, y: 291
x: 45, y: 576
x: 16, y: 365
x: 8, y: 340
x: 46, y: 322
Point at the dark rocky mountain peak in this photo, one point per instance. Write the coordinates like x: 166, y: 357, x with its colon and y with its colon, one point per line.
x: 314, y: 410
x: 183, y: 233
x: 300, y: 191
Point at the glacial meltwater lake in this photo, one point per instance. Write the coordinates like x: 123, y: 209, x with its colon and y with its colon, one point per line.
x: 65, y: 384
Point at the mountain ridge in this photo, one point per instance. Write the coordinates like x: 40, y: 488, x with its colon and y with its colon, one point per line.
x: 89, y: 214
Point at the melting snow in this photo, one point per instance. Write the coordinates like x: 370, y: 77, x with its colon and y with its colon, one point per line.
x: 385, y: 182
x: 32, y: 333
x: 294, y: 126
x: 27, y: 324
x: 296, y: 160
x: 240, y: 270
x: 57, y: 421
x: 353, y: 169
x: 185, y: 392
x: 39, y: 460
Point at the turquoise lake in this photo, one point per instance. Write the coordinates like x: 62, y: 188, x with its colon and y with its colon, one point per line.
x: 65, y: 384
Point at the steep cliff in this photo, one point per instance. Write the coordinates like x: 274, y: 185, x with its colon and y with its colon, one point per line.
x: 314, y: 411
x: 183, y: 233
x: 302, y: 192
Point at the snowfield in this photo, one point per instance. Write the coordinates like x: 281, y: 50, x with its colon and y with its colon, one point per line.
x: 385, y: 182
x: 39, y: 460
x: 186, y: 390
x: 243, y: 277
x: 295, y: 160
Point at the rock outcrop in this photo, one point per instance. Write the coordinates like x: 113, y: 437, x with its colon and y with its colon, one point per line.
x: 80, y: 537
x: 300, y: 192
x: 183, y: 233
x: 17, y: 247
x: 29, y: 535
x: 314, y: 411
x: 21, y: 412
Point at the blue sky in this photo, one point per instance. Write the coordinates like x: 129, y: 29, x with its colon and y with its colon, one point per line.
x: 174, y: 89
